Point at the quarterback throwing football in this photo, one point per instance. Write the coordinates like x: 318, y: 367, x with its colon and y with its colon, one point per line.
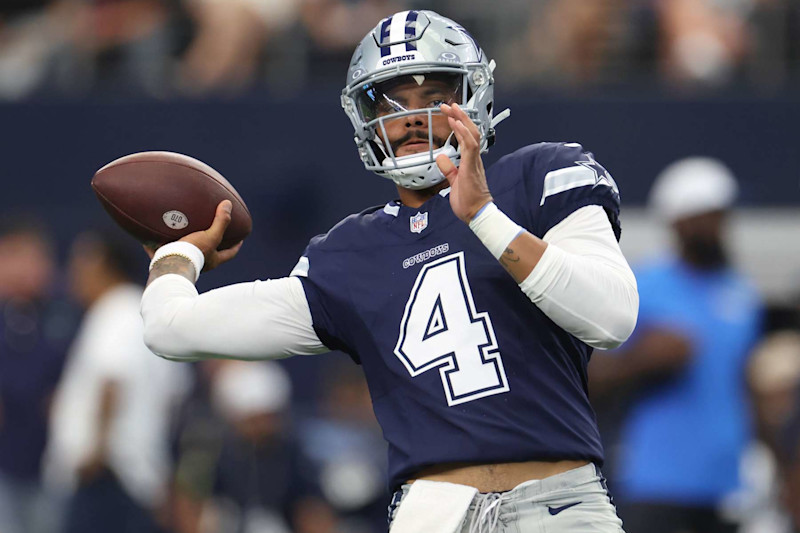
x: 473, y: 302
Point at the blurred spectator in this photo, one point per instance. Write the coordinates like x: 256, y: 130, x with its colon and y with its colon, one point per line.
x: 341, y: 24
x: 76, y: 46
x: 28, y: 37
x: 703, y: 41
x: 790, y: 469
x: 116, y: 46
x: 162, y: 48
x: 347, y: 445
x: 773, y: 376
x: 109, y: 448
x: 568, y: 41
x: 774, y: 380
x: 334, y: 27
x: 243, y: 472
x: 579, y: 44
x: 231, y: 39
x: 687, y: 422
x: 35, y: 329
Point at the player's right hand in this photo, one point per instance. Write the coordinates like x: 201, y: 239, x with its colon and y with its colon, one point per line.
x: 208, y: 240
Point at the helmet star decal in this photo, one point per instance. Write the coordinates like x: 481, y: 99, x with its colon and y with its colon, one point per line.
x: 465, y: 33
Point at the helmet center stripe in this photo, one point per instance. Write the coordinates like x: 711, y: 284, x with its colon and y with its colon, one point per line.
x: 411, y: 30
x: 397, y: 32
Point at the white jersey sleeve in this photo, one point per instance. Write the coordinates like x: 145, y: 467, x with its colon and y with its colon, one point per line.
x: 257, y: 320
x: 583, y: 282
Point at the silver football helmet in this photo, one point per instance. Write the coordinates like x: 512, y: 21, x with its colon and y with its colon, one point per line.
x: 416, y: 45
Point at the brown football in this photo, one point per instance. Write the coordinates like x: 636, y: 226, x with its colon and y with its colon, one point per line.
x: 159, y: 197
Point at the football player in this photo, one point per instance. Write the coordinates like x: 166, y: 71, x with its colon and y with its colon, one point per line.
x: 472, y: 302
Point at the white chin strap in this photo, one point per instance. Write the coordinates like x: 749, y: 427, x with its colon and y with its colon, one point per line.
x: 419, y: 171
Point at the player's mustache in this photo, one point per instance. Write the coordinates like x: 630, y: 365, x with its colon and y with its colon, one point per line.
x: 438, y: 142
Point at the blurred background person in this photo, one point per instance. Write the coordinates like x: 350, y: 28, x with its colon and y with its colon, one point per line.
x: 36, y: 325
x: 574, y: 43
x: 240, y: 469
x: 334, y: 27
x: 201, y: 48
x: 108, y: 454
x: 686, y: 423
x: 80, y: 46
x: 703, y: 42
x: 789, y: 475
x: 29, y: 36
x: 120, y: 46
x: 345, y: 443
x: 773, y: 377
x: 233, y: 42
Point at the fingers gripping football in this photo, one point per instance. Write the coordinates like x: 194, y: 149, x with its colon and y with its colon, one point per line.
x: 468, y: 189
x: 209, y: 240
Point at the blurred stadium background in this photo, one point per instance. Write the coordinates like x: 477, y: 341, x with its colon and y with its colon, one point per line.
x: 252, y: 88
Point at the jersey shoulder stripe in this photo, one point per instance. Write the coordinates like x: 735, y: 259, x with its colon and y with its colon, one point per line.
x: 545, y: 182
x: 573, y: 167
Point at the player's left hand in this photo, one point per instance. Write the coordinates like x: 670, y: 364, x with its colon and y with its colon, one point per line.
x: 468, y: 189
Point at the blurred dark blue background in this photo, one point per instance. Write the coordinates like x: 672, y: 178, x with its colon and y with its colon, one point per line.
x: 294, y: 162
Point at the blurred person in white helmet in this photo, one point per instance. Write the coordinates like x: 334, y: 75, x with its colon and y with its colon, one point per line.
x: 247, y: 474
x: 694, y: 196
x: 682, y: 373
x: 473, y: 301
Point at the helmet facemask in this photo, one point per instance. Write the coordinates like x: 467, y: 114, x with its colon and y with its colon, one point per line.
x: 378, y: 106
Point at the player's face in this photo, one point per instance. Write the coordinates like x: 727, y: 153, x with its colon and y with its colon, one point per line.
x: 409, y: 134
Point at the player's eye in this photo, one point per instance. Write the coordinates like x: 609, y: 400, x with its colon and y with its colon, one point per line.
x: 437, y: 98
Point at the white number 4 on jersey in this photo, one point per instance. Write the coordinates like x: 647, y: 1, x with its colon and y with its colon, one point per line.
x: 441, y: 328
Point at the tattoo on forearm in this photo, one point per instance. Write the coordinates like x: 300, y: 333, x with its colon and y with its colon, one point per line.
x: 172, y: 264
x: 508, y: 257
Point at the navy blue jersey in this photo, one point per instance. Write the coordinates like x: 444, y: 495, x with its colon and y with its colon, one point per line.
x: 461, y: 365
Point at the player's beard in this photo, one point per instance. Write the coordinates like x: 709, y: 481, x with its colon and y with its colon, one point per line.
x: 704, y: 252
x: 438, y: 142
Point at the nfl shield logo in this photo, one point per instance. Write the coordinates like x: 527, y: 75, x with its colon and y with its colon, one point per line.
x: 419, y: 222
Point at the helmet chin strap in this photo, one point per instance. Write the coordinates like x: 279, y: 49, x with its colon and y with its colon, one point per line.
x: 422, y: 172
x: 500, y: 117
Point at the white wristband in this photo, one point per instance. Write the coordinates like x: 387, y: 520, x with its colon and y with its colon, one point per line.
x: 494, y: 229
x: 183, y: 249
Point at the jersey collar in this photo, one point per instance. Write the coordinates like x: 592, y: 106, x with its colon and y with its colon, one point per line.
x: 393, y: 208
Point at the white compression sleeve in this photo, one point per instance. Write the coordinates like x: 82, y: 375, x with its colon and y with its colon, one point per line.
x: 257, y: 320
x: 583, y: 282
